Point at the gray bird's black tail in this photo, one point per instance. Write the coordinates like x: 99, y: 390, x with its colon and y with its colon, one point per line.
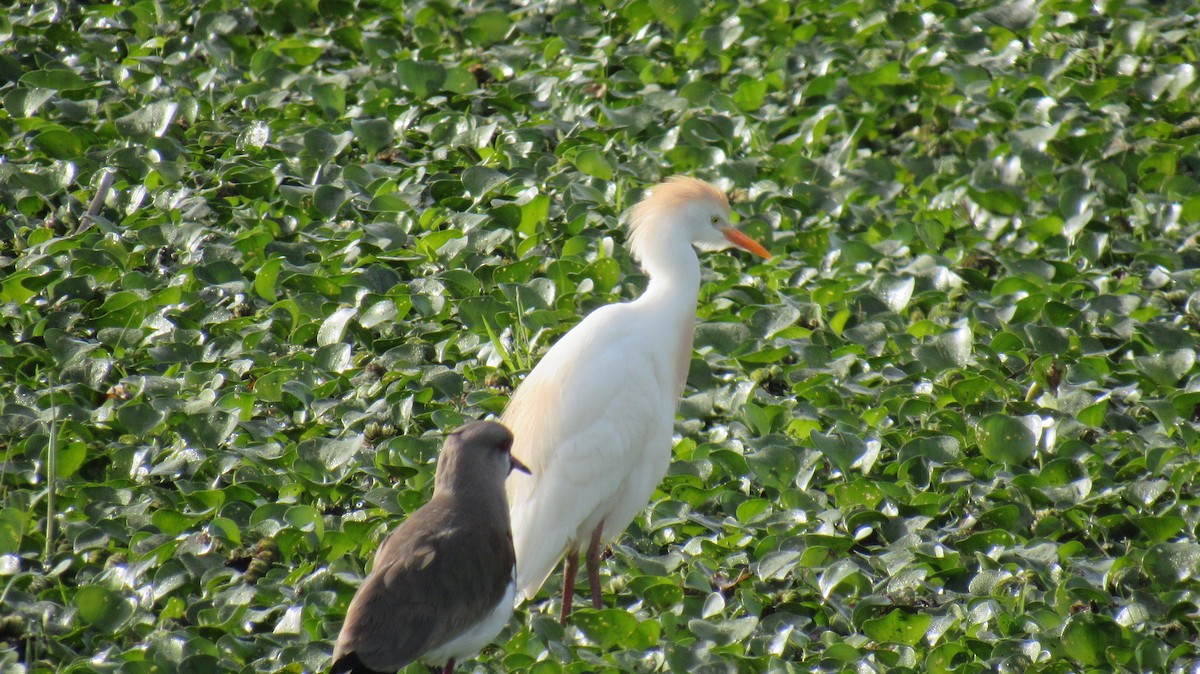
x: 350, y: 664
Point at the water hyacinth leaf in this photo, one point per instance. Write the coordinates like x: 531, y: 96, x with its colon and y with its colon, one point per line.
x: 324, y: 146
x: 940, y: 449
x: 65, y: 348
x: 835, y: 575
x: 725, y: 631
x: 1168, y: 367
x: 675, y: 15
x: 842, y: 449
x: 58, y: 79
x: 1169, y: 564
x: 949, y: 350
x: 266, y: 278
x: 896, y: 292
x: 102, y: 608
x: 605, y: 272
x: 337, y: 357
x: 12, y: 529
x: 606, y: 627
x: 71, y: 455
x: 479, y: 180
x: 1160, y: 529
x: 1086, y: 636
x: 1003, y: 439
x: 305, y: 518
x: 383, y: 311
x: 898, y: 627
x: 302, y: 52
x: 149, y: 121
x: 329, y: 199
x: 777, y: 565
x: 208, y: 429
x: 26, y: 102
x: 724, y: 338
x: 329, y: 453
x: 331, y: 99
x: 999, y: 201
x: 58, y: 142
x: 593, y: 162
x: 421, y: 78
x: 373, y: 134
x: 365, y: 223
x: 488, y: 28
x: 333, y: 328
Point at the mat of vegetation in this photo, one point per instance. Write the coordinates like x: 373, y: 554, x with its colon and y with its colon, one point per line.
x: 256, y: 257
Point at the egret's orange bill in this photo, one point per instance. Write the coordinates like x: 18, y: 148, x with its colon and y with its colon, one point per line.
x: 742, y: 241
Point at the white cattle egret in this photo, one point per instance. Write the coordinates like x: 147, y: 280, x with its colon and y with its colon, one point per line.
x: 443, y: 583
x: 594, y: 419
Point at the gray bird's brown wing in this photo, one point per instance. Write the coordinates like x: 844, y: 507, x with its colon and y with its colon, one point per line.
x: 434, y: 577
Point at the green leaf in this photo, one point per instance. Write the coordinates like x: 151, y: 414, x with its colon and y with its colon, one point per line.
x: 266, y: 277
x: 842, y: 449
x: 329, y: 454
x: 149, y: 121
x: 373, y: 134
x: 951, y: 349
x: 1003, y: 439
x: 675, y: 14
x: 1001, y: 202
x: 940, y: 449
x: 1160, y: 529
x: 1086, y: 636
x: 488, y: 28
x: 324, y: 146
x: 101, y: 608
x: 12, y: 530
x: 750, y: 95
x: 593, y: 162
x: 329, y: 199
x: 898, y: 627
x: 835, y: 575
x: 1166, y: 368
x: 479, y: 180
x: 331, y: 98
x: 58, y: 142
x: 606, y: 627
x: 605, y: 272
x: 1169, y: 564
x: 71, y: 456
x: 333, y: 328
x: 383, y: 311
x: 725, y: 631
x: 56, y: 79
x: 421, y: 78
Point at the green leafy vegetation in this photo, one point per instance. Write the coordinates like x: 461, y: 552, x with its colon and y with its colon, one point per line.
x: 256, y: 257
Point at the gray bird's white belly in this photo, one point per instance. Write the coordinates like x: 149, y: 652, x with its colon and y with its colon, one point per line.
x: 474, y: 639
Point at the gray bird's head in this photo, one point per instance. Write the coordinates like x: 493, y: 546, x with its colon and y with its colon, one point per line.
x: 476, y: 455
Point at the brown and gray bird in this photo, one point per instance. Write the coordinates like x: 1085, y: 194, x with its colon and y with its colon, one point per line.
x: 442, y: 586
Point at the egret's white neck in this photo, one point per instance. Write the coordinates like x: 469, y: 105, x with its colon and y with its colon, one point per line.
x: 674, y: 270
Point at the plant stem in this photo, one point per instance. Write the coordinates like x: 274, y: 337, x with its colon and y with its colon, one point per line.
x: 51, y: 475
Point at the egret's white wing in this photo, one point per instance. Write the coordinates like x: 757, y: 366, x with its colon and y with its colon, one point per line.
x: 592, y: 422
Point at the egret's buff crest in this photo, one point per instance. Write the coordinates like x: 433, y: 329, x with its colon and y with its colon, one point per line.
x: 667, y: 198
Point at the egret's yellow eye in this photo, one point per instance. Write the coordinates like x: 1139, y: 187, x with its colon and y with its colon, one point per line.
x: 716, y: 219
